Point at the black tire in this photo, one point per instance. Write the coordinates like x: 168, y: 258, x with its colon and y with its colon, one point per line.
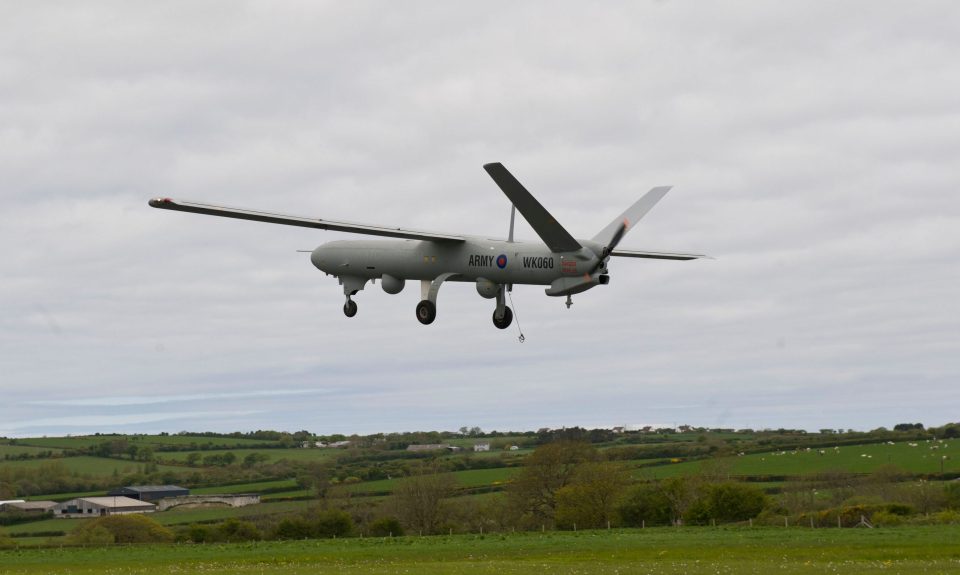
x: 350, y: 308
x: 507, y: 318
x: 426, y: 312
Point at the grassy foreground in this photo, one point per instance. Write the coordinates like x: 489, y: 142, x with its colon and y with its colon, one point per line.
x: 660, y: 551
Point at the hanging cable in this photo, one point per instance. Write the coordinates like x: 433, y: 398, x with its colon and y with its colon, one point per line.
x: 516, y: 317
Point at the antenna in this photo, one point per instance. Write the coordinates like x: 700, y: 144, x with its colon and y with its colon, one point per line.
x: 513, y: 216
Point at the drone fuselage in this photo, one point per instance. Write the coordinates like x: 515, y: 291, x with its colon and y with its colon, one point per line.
x: 497, y: 261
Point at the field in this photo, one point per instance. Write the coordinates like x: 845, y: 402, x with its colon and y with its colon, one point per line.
x: 853, y: 458
x: 662, y: 551
x: 79, y: 441
x: 87, y: 465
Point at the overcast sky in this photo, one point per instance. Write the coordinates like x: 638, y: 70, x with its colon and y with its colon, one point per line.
x: 814, y: 148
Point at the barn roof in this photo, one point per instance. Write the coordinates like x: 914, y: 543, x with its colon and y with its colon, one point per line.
x: 116, y: 501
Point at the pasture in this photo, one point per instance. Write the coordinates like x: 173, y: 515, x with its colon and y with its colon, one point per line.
x: 87, y: 465
x: 915, y: 457
x: 662, y: 551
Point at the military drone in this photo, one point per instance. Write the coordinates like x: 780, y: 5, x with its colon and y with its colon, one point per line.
x: 566, y: 265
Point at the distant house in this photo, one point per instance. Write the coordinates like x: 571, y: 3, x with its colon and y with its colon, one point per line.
x: 433, y: 447
x: 485, y: 446
x: 38, y: 507
x: 150, y: 492
x: 101, y: 506
x: 339, y: 444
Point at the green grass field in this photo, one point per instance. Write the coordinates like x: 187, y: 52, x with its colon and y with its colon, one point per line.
x: 75, y: 442
x: 855, y: 458
x: 662, y: 551
x: 13, y: 450
x: 96, y: 466
x: 470, y: 478
x: 294, y: 454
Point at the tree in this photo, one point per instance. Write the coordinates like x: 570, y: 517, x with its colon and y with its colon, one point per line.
x: 590, y: 500
x: 550, y: 468
x: 728, y: 502
x: 680, y: 493
x: 645, y: 505
x: 419, y: 499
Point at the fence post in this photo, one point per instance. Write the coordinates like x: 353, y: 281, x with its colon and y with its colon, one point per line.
x: 643, y: 524
x: 839, y: 525
x: 786, y: 521
x: 811, y: 522
x: 751, y: 522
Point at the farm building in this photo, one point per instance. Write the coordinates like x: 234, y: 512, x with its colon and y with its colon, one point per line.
x: 38, y: 507
x: 150, y: 492
x: 97, y: 506
x: 481, y: 446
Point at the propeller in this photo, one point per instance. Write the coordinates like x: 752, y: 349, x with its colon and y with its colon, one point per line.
x: 608, y: 249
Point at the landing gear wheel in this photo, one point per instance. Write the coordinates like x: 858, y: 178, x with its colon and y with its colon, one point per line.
x: 507, y: 318
x: 350, y: 308
x: 426, y: 312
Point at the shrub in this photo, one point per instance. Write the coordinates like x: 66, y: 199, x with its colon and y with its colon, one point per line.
x: 886, y: 519
x: 948, y: 517
x: 386, y: 527
x: 293, y: 528
x: 233, y: 530
x: 952, y: 491
x: 89, y: 534
x: 728, y: 502
x: 123, y: 529
x: 6, y: 542
x: 645, y: 505
x: 333, y: 523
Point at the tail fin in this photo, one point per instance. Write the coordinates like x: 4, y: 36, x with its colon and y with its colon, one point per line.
x: 632, y: 215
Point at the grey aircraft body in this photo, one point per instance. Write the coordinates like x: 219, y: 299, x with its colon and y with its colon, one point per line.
x: 566, y: 265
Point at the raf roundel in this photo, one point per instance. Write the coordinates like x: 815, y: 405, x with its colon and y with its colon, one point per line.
x: 502, y: 261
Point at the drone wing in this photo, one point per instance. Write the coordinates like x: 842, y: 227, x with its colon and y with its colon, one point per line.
x: 271, y: 218
x: 550, y: 231
x: 656, y: 255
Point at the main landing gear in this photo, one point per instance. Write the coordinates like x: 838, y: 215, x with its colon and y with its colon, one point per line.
x: 350, y: 308
x: 505, y: 321
x: 502, y: 315
x: 426, y: 312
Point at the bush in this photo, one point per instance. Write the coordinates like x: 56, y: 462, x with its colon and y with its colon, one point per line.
x: 948, y: 517
x: 333, y: 523
x: 122, y: 529
x: 88, y: 534
x: 234, y: 530
x: 728, y: 502
x: 952, y: 491
x: 6, y: 542
x: 293, y: 528
x: 886, y: 519
x: 386, y: 527
x: 645, y: 505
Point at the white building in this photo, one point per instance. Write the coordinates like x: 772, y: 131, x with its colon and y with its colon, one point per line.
x: 100, y: 506
x: 481, y: 446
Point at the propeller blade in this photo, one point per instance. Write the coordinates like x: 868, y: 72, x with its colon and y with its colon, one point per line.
x: 607, y: 250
